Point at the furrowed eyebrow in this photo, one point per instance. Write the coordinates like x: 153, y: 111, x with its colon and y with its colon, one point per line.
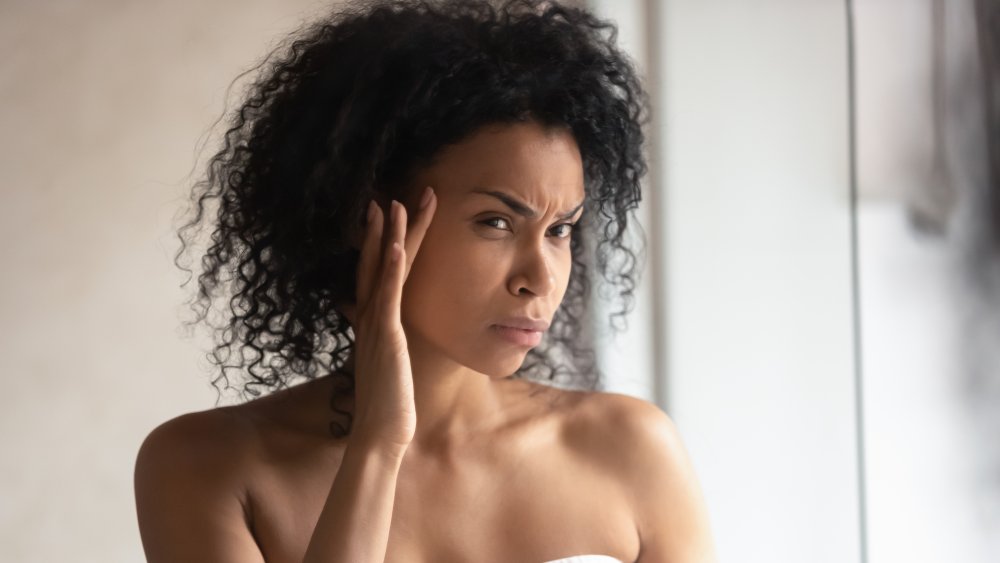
x: 519, y: 207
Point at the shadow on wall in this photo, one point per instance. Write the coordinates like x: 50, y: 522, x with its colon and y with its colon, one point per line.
x: 962, y: 205
x: 977, y: 150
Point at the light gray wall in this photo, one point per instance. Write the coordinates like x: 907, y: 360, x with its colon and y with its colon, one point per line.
x: 755, y: 105
x: 748, y: 217
x: 102, y: 105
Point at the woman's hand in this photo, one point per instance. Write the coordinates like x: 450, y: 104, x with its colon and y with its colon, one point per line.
x: 385, y: 413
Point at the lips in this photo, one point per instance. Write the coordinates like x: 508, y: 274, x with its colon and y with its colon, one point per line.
x: 521, y: 330
x: 523, y: 323
x: 520, y: 337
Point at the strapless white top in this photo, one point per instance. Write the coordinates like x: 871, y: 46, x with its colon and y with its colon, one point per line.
x: 587, y: 559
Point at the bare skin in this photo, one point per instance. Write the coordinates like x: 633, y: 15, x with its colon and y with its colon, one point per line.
x: 498, y: 469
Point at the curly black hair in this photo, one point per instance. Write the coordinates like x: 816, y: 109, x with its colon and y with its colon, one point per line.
x: 346, y: 110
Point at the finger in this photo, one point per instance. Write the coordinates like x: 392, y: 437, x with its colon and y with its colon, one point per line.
x: 416, y: 232
x: 368, y: 264
x: 391, y: 286
x: 398, y: 227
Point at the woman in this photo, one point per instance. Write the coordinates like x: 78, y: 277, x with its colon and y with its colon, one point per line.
x: 400, y: 201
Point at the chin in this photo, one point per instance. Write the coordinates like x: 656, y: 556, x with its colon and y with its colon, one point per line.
x: 497, y: 365
x: 484, y: 356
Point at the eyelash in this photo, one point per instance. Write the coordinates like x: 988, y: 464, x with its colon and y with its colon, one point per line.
x: 572, y: 226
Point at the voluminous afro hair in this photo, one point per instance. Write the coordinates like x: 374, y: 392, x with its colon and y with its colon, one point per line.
x: 345, y: 111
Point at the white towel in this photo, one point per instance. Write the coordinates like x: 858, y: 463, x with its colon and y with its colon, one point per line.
x: 587, y: 559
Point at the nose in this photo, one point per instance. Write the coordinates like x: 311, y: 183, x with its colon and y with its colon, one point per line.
x: 534, y: 276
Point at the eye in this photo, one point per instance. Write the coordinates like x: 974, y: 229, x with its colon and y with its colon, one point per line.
x: 488, y: 222
x: 568, y: 231
x: 491, y: 222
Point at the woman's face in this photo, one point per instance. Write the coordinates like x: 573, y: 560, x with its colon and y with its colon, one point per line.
x: 498, y: 245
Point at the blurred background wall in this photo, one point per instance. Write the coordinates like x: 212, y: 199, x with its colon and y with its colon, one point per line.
x: 745, y: 329
x: 102, y: 104
x: 930, y: 281
x: 748, y: 218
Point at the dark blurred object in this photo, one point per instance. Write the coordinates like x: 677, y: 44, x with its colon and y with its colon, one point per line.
x: 930, y: 206
x: 988, y: 31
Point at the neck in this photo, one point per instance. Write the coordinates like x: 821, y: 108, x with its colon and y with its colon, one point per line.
x: 456, y: 405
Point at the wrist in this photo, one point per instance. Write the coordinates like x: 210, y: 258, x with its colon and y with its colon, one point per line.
x: 368, y: 445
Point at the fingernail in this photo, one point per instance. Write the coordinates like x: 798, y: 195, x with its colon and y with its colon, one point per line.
x: 426, y: 199
x: 371, y: 210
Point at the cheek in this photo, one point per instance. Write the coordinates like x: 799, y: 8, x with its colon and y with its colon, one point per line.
x: 450, y: 281
x: 566, y: 270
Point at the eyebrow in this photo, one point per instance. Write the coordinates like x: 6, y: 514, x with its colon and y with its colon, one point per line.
x: 519, y: 206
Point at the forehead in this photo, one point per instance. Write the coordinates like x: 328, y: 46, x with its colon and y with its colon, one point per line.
x: 524, y: 158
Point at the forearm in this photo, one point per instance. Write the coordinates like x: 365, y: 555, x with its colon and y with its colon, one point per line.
x: 354, y: 523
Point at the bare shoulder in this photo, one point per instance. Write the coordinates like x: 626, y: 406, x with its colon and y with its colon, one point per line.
x: 641, y: 445
x: 642, y: 438
x: 196, y: 458
x: 631, y: 411
x: 622, y: 426
x: 228, y: 441
x: 190, y: 489
x: 207, y: 440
